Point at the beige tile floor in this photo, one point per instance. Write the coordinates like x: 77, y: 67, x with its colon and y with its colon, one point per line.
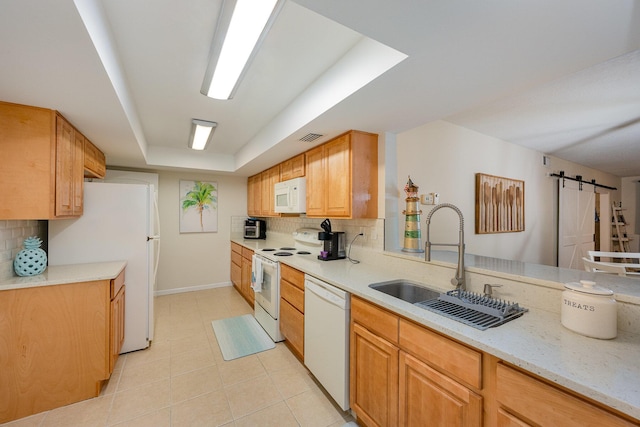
x: 182, y: 379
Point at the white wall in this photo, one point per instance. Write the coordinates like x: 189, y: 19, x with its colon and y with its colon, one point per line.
x: 444, y: 158
x: 196, y: 259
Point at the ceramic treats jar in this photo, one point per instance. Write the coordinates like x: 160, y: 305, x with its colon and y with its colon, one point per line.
x: 589, y: 310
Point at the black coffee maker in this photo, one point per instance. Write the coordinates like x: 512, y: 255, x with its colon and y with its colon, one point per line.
x: 334, y: 243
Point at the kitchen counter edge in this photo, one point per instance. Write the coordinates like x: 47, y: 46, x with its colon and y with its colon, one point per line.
x: 536, y: 342
x: 64, y: 274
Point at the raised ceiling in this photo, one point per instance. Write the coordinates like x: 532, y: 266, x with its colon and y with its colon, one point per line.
x: 560, y: 77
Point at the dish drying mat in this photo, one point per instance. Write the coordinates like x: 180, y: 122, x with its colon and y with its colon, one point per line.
x: 473, y: 309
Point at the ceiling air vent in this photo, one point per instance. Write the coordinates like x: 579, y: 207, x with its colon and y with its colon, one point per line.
x: 310, y: 137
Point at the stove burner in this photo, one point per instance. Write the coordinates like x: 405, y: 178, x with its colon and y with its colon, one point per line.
x: 268, y: 249
x: 283, y: 254
x: 287, y: 249
x: 303, y: 253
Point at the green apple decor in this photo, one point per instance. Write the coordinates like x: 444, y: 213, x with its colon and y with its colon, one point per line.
x: 32, y: 259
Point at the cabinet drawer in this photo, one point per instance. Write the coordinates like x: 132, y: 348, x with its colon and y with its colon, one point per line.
x: 247, y: 253
x: 116, y: 284
x: 543, y: 404
x: 292, y: 326
x: 456, y: 359
x: 236, y: 258
x: 236, y: 248
x: 375, y: 319
x: 292, y: 294
x: 293, y: 276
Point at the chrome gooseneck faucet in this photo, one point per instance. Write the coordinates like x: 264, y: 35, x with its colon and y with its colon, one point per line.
x: 457, y: 281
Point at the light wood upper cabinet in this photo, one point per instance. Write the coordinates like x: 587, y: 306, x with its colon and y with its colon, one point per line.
x: 315, y: 173
x: 260, y: 192
x: 69, y: 169
x: 41, y: 164
x: 254, y: 195
x: 269, y: 179
x: 342, y: 177
x: 94, y: 161
x: 292, y: 168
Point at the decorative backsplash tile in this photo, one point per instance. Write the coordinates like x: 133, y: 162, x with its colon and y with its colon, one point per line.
x: 12, y: 235
x: 373, y: 229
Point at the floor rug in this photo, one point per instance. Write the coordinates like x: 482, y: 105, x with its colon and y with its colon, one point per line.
x: 241, y: 336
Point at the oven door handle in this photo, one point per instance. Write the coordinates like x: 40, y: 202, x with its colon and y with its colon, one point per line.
x: 266, y: 261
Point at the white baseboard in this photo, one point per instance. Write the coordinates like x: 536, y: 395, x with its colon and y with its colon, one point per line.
x: 191, y: 289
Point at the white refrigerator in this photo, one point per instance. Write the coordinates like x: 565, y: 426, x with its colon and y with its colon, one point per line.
x: 119, y: 223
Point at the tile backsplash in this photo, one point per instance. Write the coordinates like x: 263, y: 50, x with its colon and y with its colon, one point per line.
x: 373, y: 229
x: 12, y: 234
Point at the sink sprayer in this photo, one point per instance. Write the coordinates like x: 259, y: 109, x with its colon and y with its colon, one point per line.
x: 458, y: 281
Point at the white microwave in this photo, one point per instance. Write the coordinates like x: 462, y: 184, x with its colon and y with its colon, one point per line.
x: 291, y: 196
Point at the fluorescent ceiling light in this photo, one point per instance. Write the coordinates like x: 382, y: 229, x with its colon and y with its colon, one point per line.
x: 201, y: 134
x: 241, y: 28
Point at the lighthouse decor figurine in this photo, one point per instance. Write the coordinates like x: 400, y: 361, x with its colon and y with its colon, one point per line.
x: 412, y: 235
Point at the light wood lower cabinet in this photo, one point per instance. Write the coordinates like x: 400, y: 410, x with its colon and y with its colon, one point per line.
x: 241, y: 271
x: 58, y: 344
x: 404, y: 374
x: 373, y: 378
x: 236, y: 266
x: 116, y: 330
x: 527, y: 401
x: 426, y: 394
x: 292, y: 309
x: 245, y: 276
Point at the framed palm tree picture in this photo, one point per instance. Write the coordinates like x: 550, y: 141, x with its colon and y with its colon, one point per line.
x: 198, y: 207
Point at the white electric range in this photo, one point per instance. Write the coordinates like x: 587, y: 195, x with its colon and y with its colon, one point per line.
x: 265, y: 278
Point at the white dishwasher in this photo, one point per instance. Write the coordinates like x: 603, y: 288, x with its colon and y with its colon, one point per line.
x: 326, y: 337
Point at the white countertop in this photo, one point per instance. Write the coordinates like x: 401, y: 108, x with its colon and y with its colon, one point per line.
x: 607, y: 371
x: 62, y: 274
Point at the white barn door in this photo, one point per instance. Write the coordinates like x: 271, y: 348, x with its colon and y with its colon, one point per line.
x: 576, y: 223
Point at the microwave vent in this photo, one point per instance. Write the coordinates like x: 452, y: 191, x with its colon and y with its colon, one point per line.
x: 310, y: 137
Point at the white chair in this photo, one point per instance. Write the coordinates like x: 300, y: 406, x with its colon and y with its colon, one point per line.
x: 622, y: 257
x: 604, y: 267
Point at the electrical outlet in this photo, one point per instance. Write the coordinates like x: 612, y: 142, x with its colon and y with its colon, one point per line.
x: 426, y: 199
x: 364, y: 234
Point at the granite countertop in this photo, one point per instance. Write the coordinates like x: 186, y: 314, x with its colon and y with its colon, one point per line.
x: 62, y: 274
x: 604, y: 370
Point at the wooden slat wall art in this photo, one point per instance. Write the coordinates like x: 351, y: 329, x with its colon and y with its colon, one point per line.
x: 499, y: 204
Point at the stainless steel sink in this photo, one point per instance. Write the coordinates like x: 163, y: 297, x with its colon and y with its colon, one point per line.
x: 406, y: 290
x: 476, y: 310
